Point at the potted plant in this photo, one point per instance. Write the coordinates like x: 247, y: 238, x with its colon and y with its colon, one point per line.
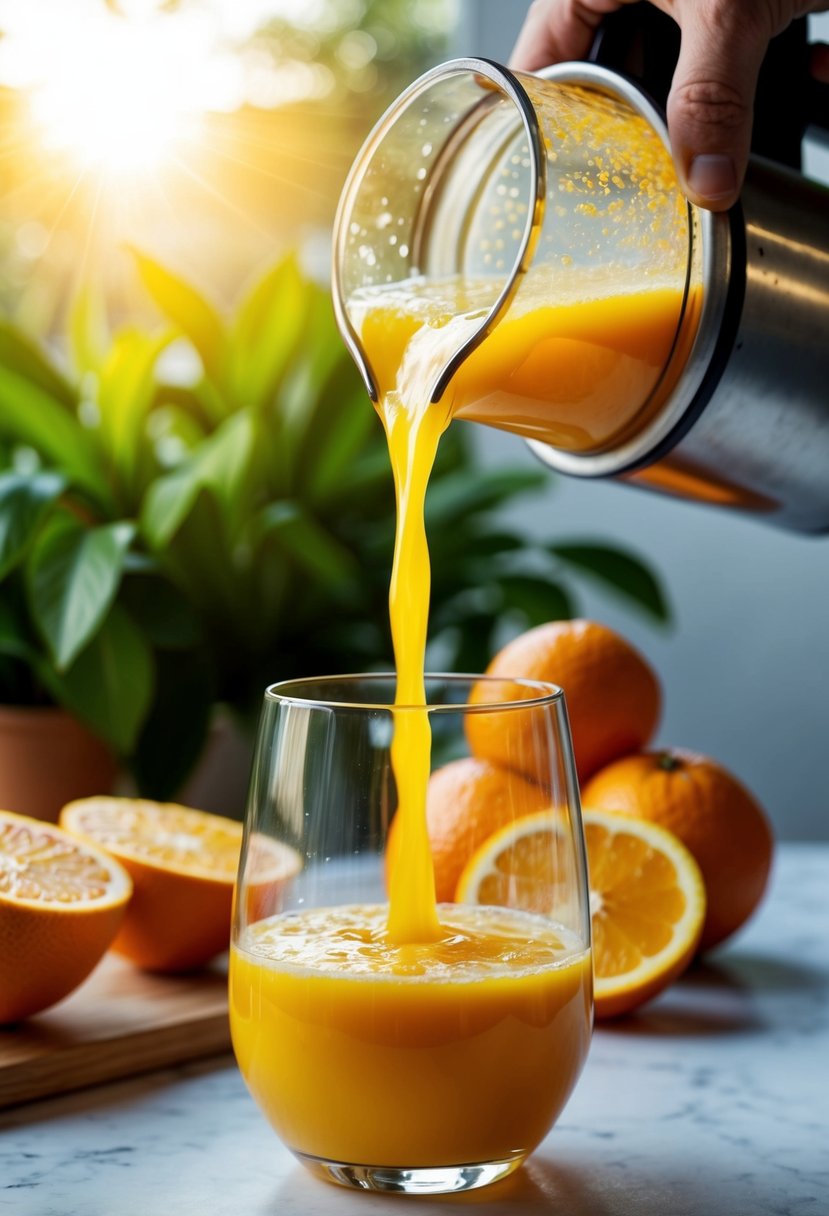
x: 207, y: 509
x: 90, y: 631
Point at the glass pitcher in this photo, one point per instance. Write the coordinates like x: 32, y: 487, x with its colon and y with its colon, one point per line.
x: 618, y: 328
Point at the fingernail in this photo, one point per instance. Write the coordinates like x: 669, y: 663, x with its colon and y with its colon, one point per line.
x: 712, y: 176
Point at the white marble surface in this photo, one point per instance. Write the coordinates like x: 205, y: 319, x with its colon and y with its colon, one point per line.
x: 714, y: 1101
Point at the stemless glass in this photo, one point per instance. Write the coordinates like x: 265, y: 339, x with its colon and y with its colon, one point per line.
x: 407, y: 1065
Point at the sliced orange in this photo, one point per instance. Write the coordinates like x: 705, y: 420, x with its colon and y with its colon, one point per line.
x: 647, y: 904
x: 183, y: 864
x: 523, y: 865
x: 647, y: 898
x: 61, y: 903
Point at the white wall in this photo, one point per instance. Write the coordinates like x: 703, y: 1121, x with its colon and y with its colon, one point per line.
x: 745, y: 669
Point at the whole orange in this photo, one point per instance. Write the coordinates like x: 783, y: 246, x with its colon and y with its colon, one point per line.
x: 466, y: 802
x: 712, y: 813
x: 612, y: 694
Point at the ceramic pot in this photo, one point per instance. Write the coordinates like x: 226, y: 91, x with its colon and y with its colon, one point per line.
x: 47, y: 758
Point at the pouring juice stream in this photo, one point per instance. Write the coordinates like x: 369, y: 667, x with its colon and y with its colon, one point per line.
x: 444, y: 1019
x: 459, y: 1008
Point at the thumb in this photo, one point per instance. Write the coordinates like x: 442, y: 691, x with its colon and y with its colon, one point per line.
x: 711, y: 104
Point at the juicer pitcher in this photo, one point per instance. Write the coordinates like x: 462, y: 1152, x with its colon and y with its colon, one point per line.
x: 622, y: 331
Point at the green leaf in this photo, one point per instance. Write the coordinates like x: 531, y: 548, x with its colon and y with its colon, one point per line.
x: 166, y: 505
x: 221, y: 463
x: 22, y: 357
x: 31, y: 416
x: 269, y: 325
x: 310, y: 545
x: 24, y: 502
x: 345, y: 423
x: 537, y: 599
x: 73, y: 576
x: 619, y: 571
x: 87, y: 330
x: 201, y: 561
x: 177, y: 408
x: 189, y: 312
x: 175, y: 730
x: 461, y: 494
x: 126, y: 389
x: 163, y: 613
x: 470, y: 642
x: 14, y: 635
x: 110, y: 684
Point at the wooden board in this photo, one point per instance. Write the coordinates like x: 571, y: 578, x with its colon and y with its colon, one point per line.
x: 121, y: 1021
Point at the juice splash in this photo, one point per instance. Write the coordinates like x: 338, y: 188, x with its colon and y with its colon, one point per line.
x: 460, y: 1050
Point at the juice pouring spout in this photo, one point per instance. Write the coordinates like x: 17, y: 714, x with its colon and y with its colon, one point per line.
x: 397, y: 216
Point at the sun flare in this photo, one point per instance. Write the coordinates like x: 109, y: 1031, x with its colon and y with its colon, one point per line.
x: 122, y: 96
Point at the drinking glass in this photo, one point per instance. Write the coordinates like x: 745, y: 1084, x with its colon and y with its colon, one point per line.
x: 387, y: 1062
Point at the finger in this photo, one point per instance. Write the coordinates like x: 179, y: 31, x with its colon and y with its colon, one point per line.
x: 558, y: 30
x: 711, y: 103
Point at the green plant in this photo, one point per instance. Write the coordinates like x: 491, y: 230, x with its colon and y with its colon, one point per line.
x: 87, y: 620
x: 171, y: 539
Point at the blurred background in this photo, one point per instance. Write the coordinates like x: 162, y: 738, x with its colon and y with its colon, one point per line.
x: 214, y: 136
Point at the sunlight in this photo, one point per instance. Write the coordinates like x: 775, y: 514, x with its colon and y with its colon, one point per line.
x: 120, y: 94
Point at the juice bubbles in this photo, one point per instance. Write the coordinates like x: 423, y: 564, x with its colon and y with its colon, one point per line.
x: 459, y: 1050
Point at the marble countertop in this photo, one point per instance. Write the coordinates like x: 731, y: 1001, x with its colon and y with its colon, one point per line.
x: 713, y: 1101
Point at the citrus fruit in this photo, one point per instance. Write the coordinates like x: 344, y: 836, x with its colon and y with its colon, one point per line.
x: 711, y: 812
x: 647, y: 907
x: 523, y: 865
x: 612, y: 694
x: 61, y: 903
x: 466, y: 801
x: 183, y: 866
x: 647, y: 897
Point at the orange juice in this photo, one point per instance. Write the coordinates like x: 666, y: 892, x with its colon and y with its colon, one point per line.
x: 460, y: 1050
x: 575, y: 371
x: 411, y: 1034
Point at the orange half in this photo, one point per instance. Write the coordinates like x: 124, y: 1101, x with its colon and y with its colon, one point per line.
x: 61, y: 903
x: 183, y: 864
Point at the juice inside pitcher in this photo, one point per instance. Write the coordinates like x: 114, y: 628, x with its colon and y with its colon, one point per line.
x: 563, y: 239
x: 574, y: 370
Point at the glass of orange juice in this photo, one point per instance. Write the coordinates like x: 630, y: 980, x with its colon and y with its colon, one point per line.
x: 412, y: 1006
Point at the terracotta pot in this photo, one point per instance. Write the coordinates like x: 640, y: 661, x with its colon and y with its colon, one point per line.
x: 47, y: 758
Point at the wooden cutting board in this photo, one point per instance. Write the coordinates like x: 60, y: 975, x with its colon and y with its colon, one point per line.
x: 121, y: 1021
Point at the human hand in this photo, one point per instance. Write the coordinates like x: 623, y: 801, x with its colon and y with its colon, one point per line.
x: 710, y: 106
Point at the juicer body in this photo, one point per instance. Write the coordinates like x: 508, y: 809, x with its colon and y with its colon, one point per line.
x: 747, y: 424
x: 749, y: 429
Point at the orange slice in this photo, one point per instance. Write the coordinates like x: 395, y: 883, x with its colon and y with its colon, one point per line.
x: 647, y: 897
x: 523, y: 865
x: 61, y: 903
x: 183, y: 865
x: 647, y: 904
